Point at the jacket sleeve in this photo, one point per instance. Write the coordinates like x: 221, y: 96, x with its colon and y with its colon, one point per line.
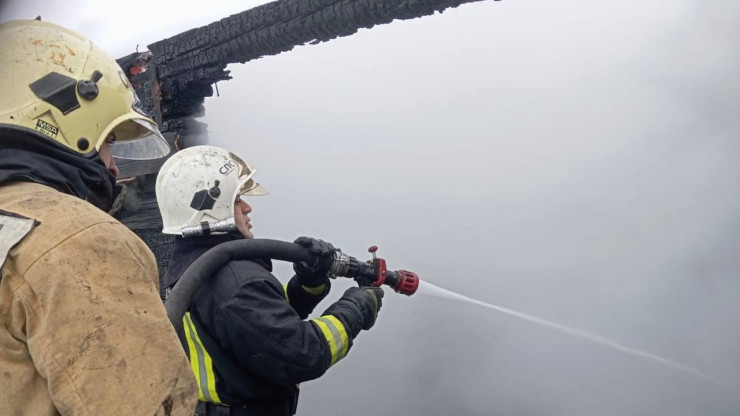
x: 304, y: 299
x: 98, y: 332
x: 269, y: 338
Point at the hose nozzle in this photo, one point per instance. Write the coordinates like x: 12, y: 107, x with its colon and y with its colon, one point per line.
x: 403, y: 282
x: 374, y: 272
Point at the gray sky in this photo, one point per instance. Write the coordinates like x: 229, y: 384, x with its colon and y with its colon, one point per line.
x: 575, y: 160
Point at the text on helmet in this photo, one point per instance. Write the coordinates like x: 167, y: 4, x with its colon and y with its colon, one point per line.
x: 227, y: 168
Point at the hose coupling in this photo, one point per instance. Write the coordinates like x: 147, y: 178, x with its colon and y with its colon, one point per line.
x: 340, y: 265
x: 207, y: 228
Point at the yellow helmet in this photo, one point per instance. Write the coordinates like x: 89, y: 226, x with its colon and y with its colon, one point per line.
x: 58, y: 85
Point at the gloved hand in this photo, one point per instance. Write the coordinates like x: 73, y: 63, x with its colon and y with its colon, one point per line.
x: 315, y: 273
x: 369, y: 299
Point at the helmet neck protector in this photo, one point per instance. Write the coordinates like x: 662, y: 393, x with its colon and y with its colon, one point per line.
x: 33, y: 159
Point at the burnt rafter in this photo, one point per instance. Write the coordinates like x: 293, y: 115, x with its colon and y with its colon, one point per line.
x: 189, y: 63
x: 175, y: 76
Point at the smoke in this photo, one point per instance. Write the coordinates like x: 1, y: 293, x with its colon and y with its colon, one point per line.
x: 30, y: 9
x: 133, y: 198
x: 575, y: 161
x: 3, y: 8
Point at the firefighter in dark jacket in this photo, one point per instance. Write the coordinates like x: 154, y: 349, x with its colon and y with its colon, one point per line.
x: 248, y: 339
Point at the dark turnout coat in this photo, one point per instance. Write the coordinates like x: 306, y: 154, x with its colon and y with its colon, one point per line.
x: 248, y: 339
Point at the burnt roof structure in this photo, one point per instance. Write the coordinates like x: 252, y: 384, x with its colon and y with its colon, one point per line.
x: 173, y: 78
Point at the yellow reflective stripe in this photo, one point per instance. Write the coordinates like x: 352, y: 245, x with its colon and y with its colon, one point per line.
x: 336, y: 336
x: 318, y: 290
x: 342, y: 334
x: 329, y: 338
x: 375, y: 299
x: 193, y: 355
x: 285, y: 291
x: 201, y: 363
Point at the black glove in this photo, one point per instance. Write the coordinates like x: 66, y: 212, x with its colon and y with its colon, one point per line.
x: 315, y: 273
x: 357, y: 308
x: 369, y: 300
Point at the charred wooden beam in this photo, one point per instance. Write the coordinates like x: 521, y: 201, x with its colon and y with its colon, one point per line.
x: 189, y: 63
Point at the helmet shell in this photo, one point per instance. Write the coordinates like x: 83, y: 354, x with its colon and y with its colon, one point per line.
x: 60, y: 86
x: 201, y: 183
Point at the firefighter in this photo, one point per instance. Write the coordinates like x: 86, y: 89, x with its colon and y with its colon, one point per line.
x: 247, y: 336
x: 83, y: 330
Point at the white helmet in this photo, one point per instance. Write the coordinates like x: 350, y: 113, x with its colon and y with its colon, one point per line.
x: 197, y: 187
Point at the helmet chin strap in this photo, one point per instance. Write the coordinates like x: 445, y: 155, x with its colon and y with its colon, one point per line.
x: 206, y: 228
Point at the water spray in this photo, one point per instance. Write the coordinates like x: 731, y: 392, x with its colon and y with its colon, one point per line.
x: 436, y: 291
x: 374, y: 272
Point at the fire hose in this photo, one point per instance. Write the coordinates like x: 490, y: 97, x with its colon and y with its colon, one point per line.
x: 371, y: 273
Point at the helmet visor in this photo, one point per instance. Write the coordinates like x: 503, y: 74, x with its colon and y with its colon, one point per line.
x: 138, y: 139
x: 253, y: 188
x: 246, y: 172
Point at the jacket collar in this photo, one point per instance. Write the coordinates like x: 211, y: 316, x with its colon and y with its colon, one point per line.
x: 187, y: 250
x: 26, y: 158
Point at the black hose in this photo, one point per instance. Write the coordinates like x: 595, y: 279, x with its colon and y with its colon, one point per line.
x: 179, y: 299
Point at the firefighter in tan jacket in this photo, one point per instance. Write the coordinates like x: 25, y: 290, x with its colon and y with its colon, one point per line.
x: 82, y: 329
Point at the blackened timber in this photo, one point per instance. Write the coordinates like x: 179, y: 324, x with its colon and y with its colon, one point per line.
x: 134, y: 168
x: 189, y: 63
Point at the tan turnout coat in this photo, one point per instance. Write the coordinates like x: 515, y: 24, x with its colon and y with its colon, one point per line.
x: 83, y: 330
